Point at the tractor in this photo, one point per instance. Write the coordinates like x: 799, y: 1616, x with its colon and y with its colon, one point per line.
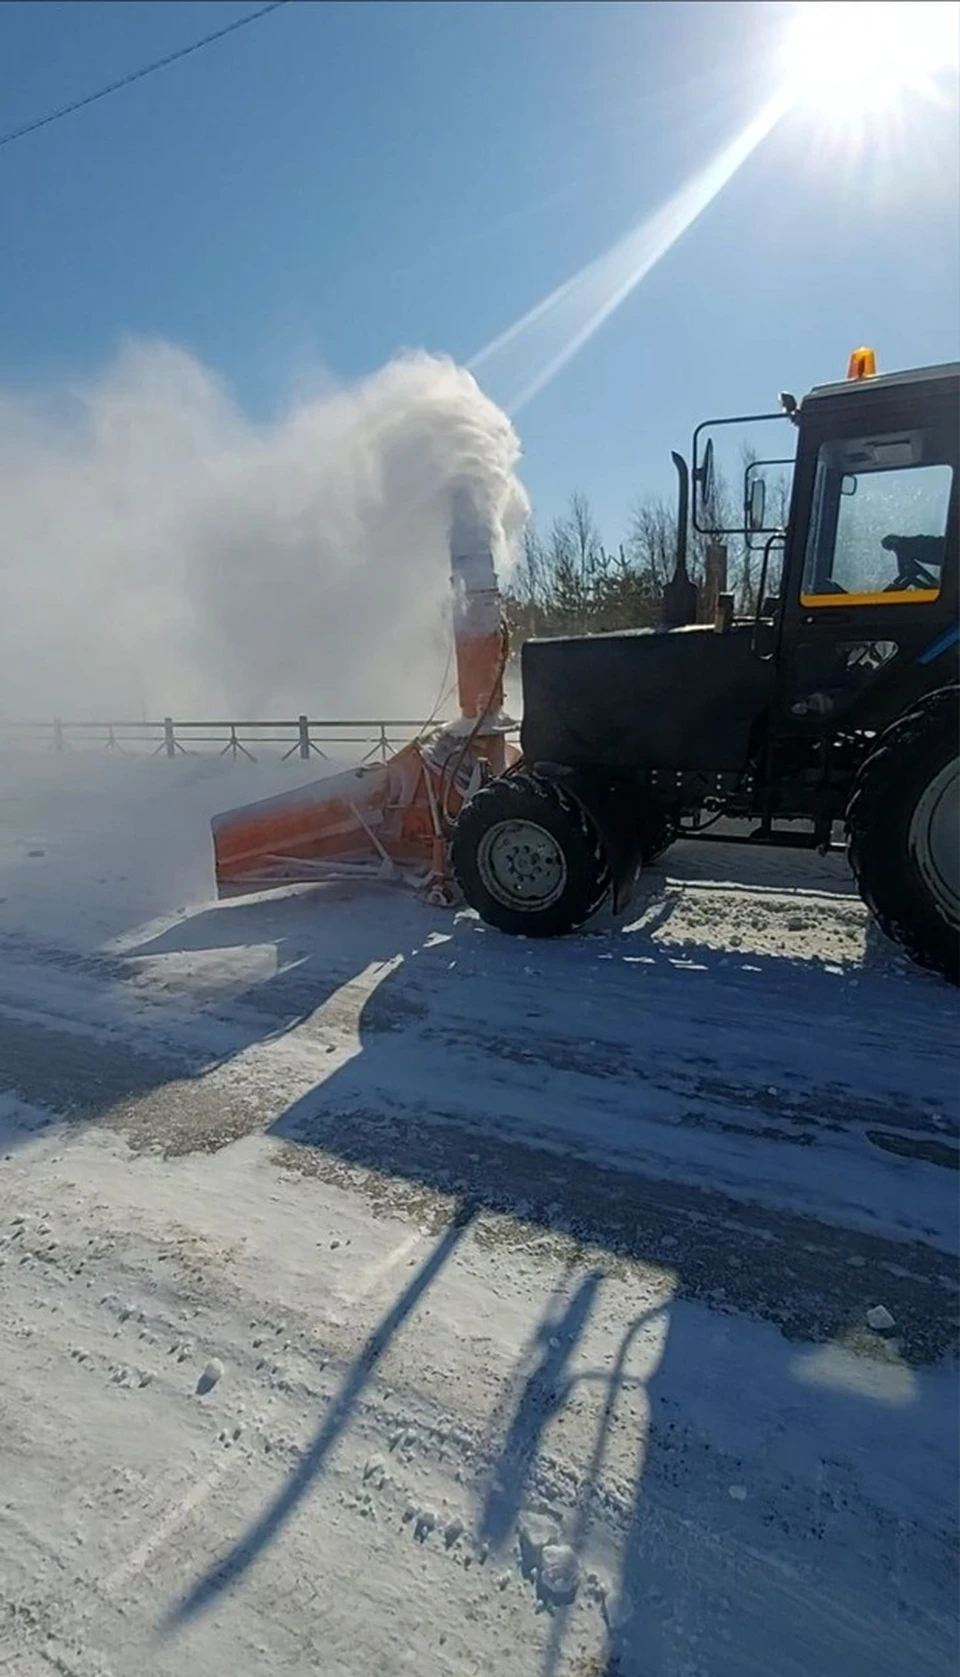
x: 827, y: 714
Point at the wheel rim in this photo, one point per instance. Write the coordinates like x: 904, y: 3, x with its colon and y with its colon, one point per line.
x: 935, y: 840
x: 522, y: 865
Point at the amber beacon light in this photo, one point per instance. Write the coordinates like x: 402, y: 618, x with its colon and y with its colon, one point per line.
x: 862, y: 364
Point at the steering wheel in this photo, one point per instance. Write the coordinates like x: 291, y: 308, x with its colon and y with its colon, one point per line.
x: 915, y: 555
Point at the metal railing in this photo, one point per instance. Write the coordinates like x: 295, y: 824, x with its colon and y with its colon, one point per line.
x: 303, y: 737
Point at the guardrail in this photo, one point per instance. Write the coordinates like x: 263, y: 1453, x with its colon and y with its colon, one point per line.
x: 303, y: 736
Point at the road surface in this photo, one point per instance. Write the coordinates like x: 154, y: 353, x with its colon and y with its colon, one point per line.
x: 383, y: 1295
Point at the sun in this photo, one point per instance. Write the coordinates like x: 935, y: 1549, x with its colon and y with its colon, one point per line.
x: 846, y: 61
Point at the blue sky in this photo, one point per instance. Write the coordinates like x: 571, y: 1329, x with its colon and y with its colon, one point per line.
x: 340, y: 181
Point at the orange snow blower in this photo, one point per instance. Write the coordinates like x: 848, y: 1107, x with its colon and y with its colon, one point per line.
x: 391, y: 820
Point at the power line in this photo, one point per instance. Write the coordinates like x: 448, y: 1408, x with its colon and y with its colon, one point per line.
x: 138, y: 75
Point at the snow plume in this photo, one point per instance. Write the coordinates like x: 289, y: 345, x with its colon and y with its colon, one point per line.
x: 161, y: 553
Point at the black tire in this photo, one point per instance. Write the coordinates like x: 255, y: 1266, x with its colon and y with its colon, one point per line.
x: 899, y: 824
x: 582, y: 879
x: 657, y: 833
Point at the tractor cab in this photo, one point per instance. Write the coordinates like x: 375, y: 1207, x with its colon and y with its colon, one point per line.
x: 844, y: 544
x: 870, y: 555
x: 862, y: 515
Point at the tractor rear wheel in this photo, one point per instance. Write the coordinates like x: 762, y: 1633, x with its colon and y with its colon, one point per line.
x: 903, y: 830
x: 528, y: 858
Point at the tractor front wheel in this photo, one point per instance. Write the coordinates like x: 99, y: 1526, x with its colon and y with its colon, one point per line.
x: 903, y: 830
x: 528, y: 858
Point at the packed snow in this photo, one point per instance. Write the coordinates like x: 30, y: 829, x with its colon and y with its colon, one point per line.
x: 380, y: 1294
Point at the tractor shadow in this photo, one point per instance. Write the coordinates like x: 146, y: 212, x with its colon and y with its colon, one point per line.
x: 386, y: 1125
x: 182, y: 1004
x: 751, y: 1462
x: 318, y: 939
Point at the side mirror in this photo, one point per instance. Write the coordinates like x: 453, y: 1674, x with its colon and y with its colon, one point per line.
x: 757, y: 505
x: 848, y: 484
x: 706, y: 478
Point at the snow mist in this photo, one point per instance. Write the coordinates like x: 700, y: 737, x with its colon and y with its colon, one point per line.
x: 160, y: 553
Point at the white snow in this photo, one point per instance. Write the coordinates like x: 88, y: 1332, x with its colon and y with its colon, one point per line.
x: 558, y: 1574
x: 161, y: 548
x: 381, y: 1295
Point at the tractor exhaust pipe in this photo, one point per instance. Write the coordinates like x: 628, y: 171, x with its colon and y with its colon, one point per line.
x: 683, y: 510
x: 680, y: 596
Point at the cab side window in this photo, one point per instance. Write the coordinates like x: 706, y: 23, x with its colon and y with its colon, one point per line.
x: 878, y: 531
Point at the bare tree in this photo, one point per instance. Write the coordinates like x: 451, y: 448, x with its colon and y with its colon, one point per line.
x: 586, y: 539
x: 572, y: 556
x: 652, y: 543
x: 527, y: 591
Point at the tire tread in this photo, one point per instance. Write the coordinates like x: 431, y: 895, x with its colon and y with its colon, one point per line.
x: 503, y: 800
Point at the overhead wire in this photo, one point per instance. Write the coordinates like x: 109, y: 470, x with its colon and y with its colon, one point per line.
x: 139, y: 75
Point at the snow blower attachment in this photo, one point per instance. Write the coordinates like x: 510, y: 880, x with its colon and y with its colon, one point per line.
x: 391, y: 820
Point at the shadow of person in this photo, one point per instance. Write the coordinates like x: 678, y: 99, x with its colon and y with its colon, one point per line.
x: 231, y: 1568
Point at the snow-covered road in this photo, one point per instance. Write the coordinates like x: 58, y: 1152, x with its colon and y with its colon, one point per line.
x: 382, y: 1295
